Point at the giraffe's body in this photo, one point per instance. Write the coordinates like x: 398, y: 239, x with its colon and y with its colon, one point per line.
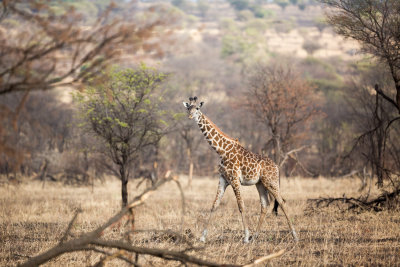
x: 236, y: 161
x: 239, y: 166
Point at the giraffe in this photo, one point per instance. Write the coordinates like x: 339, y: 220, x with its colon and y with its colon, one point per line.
x: 238, y: 166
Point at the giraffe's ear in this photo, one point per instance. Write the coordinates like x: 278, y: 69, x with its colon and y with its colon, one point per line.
x: 200, y: 105
x: 185, y: 104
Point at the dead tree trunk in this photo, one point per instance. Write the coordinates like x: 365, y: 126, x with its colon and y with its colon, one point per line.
x: 277, y: 149
x: 43, y: 170
x: 189, y: 152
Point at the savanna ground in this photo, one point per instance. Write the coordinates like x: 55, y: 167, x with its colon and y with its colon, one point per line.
x: 34, y: 218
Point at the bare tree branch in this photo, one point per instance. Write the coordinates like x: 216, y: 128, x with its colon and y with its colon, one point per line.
x: 287, y: 154
x: 386, y: 97
x: 71, y: 223
x: 161, y: 253
x: 92, y: 240
x: 376, y: 204
x: 83, y: 241
x: 64, y: 49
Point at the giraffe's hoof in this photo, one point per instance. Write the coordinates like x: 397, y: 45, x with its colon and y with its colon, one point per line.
x: 246, y: 236
x: 203, y: 236
x: 295, y: 237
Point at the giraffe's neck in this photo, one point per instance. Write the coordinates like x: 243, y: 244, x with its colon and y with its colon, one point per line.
x: 221, y: 143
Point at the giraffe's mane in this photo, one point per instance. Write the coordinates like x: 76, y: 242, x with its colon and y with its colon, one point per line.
x: 220, y: 131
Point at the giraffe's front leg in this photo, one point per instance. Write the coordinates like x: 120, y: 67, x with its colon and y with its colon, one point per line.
x: 220, y: 193
x: 236, y: 188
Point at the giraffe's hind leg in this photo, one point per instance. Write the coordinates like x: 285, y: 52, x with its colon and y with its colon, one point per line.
x: 263, y: 192
x: 273, y: 188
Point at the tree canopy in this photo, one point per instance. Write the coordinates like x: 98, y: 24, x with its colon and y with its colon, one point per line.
x: 47, y: 45
x: 376, y: 25
x: 124, y: 113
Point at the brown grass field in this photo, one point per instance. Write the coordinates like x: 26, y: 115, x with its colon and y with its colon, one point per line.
x: 33, y: 219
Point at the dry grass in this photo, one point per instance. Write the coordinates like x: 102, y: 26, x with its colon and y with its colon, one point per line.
x: 34, y: 218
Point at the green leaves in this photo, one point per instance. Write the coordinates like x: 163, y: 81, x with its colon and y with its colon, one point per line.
x: 121, y: 123
x: 124, y: 111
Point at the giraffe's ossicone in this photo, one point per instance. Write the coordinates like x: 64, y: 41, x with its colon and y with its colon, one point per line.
x: 238, y: 166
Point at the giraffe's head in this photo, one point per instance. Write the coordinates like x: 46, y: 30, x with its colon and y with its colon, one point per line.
x: 193, y: 109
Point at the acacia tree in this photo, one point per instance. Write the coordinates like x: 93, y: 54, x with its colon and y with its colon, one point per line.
x: 375, y: 24
x: 377, y: 141
x: 285, y: 104
x: 124, y: 113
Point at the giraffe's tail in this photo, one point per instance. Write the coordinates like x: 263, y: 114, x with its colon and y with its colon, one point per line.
x: 276, y: 205
x: 275, y: 209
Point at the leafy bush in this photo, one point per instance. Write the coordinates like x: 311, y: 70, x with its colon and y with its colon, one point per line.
x: 239, y: 4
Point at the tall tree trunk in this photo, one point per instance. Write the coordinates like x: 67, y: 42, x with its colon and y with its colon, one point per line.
x: 189, y: 185
x: 396, y: 79
x: 44, y: 172
x: 277, y: 148
x: 190, y: 174
x: 398, y: 96
x: 380, y: 162
x: 124, y: 185
x: 380, y: 136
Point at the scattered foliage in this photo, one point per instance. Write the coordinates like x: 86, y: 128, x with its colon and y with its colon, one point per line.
x: 124, y: 112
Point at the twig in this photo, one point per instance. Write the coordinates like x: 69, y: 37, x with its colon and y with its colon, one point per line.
x: 143, y: 179
x: 302, y: 166
x: 71, y: 223
x: 289, y: 153
x: 353, y: 172
x: 265, y: 258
